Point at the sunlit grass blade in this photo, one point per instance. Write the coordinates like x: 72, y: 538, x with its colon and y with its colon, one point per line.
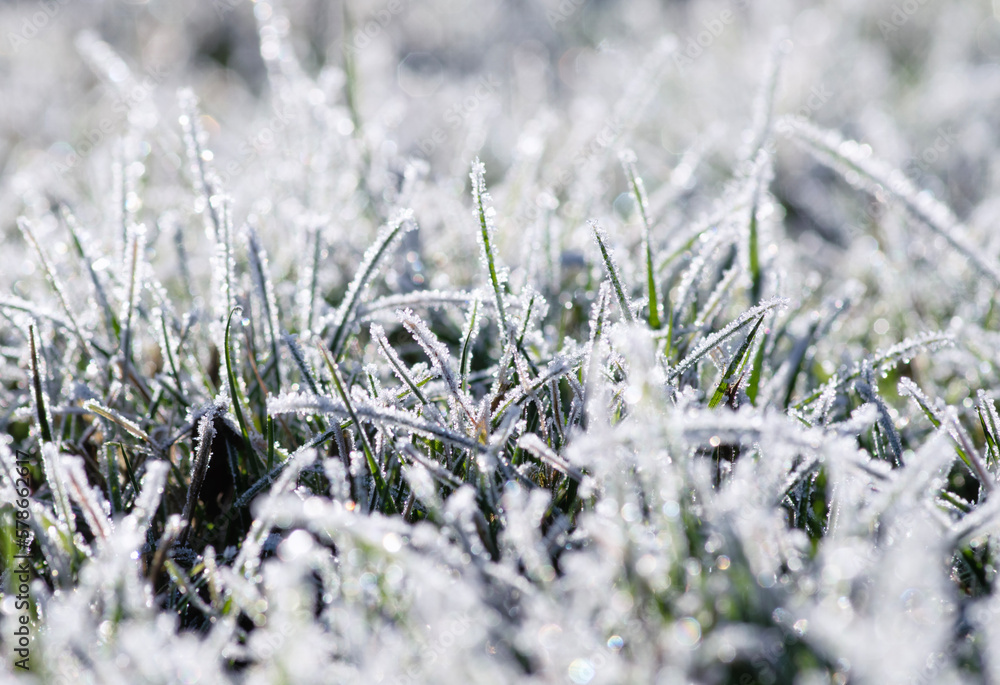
x: 268, y: 301
x: 734, y: 372
x: 373, y: 467
x: 882, y: 360
x: 398, y: 367
x: 195, y: 139
x: 133, y: 265
x: 199, y: 467
x: 990, y: 421
x: 964, y: 447
x: 642, y: 203
x: 613, y: 273
x: 55, y: 284
x: 854, y: 161
x: 484, y: 211
x: 343, y: 318
x: 303, y: 365
x: 714, y: 340
x: 250, y: 457
x: 41, y: 404
x: 111, y: 415
x: 440, y: 359
x: 79, y: 242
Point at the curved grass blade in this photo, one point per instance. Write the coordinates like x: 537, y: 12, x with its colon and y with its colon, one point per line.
x: 735, y: 371
x: 847, y: 156
x: 469, y: 337
x: 110, y: 320
x: 370, y: 265
x: 718, y: 337
x: 300, y: 361
x: 990, y: 421
x: 409, y: 422
x: 55, y: 284
x: 397, y: 364
x: 963, y: 443
x: 881, y: 361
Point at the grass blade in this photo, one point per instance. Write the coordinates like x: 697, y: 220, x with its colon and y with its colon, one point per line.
x: 55, y: 284
x: 639, y: 195
x: 729, y: 379
x: 373, y: 466
x: 250, y: 456
x: 113, y: 416
x: 713, y: 341
x: 343, y: 319
x: 847, y: 156
x: 485, y: 212
x: 41, y: 406
x: 397, y: 364
x: 468, y: 338
x: 265, y: 292
x: 613, y: 273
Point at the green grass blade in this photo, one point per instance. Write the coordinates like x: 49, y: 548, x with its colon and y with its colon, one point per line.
x: 713, y: 341
x: 113, y: 416
x: 270, y: 443
x: 370, y: 265
x: 639, y: 195
x: 963, y: 444
x: 469, y: 337
x: 729, y: 379
x: 613, y: 272
x: 378, y: 335
x: 55, y: 284
x: 990, y: 421
x: 846, y: 158
x: 484, y: 212
x: 268, y: 301
x: 110, y: 320
x: 380, y: 484
x: 756, y: 281
x: 39, y: 393
x: 114, y: 486
x: 234, y: 396
x: 753, y: 385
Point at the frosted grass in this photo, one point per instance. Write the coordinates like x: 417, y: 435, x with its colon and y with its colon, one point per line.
x: 590, y: 426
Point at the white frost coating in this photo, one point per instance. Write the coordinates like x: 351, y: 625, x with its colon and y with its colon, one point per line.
x: 552, y: 509
x: 289, y: 403
x: 440, y: 357
x: 485, y: 215
x: 873, y: 174
x: 731, y: 329
x: 398, y: 366
x: 614, y: 273
x: 420, y: 298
